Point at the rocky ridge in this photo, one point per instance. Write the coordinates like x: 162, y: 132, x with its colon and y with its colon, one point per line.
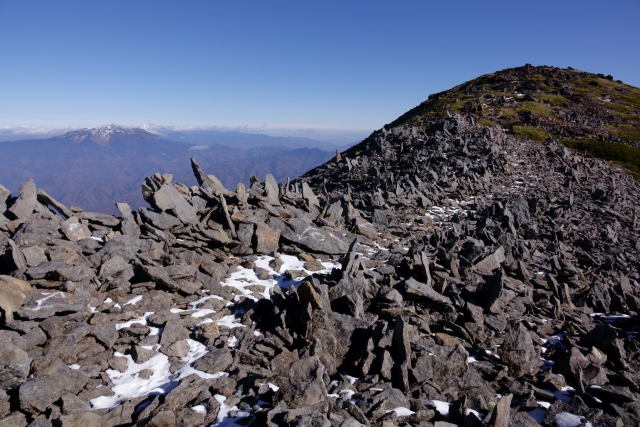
x: 450, y: 275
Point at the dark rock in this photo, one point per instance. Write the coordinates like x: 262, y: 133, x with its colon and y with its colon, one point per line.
x: 216, y: 360
x: 14, y: 366
x: 519, y: 352
x: 417, y: 290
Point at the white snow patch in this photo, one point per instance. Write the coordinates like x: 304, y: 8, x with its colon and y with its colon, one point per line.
x: 40, y: 302
x: 129, y: 384
x: 141, y: 320
x: 200, y: 409
x: 401, y: 411
x: 348, y: 394
x: 75, y: 366
x: 223, y: 414
x: 442, y: 407
x: 478, y: 415
x: 352, y: 380
x: 134, y: 300
x: 244, y: 278
x: 230, y: 322
x: 567, y: 419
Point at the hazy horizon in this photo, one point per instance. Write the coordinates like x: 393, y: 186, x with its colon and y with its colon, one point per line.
x: 334, y: 136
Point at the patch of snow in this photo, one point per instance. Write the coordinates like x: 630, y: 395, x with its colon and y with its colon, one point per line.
x: 230, y: 322
x: 129, y: 384
x: 273, y: 387
x: 478, y: 415
x: 232, y: 341
x: 567, y: 419
x: 223, y: 414
x: 348, y: 394
x: 442, y: 407
x: 352, y: 380
x: 75, y: 366
x: 200, y: 409
x: 401, y: 411
x: 243, y: 279
x: 134, y: 300
x: 141, y: 320
x: 40, y: 302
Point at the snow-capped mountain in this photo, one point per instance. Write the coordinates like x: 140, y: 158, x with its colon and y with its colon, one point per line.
x: 91, y: 167
x: 108, y: 133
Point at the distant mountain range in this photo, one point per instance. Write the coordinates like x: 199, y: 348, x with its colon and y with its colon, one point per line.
x: 91, y: 168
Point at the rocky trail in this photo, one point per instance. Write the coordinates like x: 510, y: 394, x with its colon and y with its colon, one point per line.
x: 451, y: 276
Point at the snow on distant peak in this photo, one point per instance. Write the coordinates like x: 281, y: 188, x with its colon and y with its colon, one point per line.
x: 106, y: 133
x: 151, y: 128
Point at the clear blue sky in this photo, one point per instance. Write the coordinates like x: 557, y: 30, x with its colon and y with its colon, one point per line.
x: 326, y: 64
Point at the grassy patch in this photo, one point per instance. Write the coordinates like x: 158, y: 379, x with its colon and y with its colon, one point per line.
x: 553, y: 99
x: 531, y: 132
x: 628, y: 132
x: 536, y: 109
x: 486, y: 122
x: 623, y: 154
x: 508, y: 112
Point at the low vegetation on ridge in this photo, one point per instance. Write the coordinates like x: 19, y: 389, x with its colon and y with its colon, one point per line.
x: 589, y: 112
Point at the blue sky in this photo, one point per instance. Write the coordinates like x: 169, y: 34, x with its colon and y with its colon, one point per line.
x: 284, y: 64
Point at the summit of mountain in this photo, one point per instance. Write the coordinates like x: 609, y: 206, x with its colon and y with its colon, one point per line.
x: 587, y: 112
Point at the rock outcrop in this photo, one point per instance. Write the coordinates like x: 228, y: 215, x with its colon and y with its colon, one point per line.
x: 453, y: 275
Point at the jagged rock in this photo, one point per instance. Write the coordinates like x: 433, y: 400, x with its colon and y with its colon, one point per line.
x: 25, y: 204
x: 417, y: 290
x: 271, y: 188
x: 305, y: 385
x: 307, y: 194
x: 519, y: 352
x: 491, y: 262
x: 304, y: 234
x: 167, y: 198
x: 217, y: 360
x: 266, y: 239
